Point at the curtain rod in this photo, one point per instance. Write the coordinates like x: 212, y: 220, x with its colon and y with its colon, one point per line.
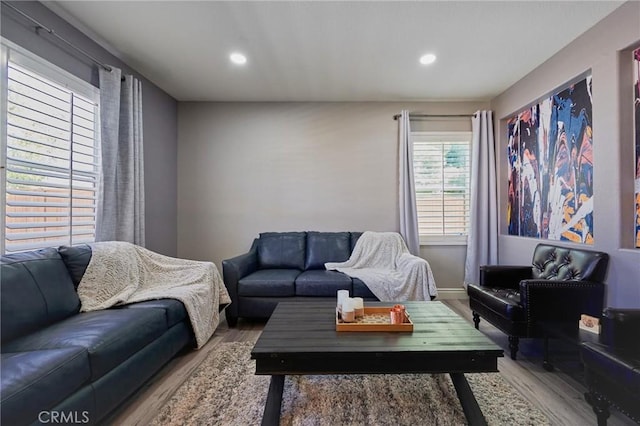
x: 411, y: 115
x: 39, y: 26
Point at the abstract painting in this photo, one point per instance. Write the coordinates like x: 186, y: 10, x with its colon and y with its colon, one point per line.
x: 550, y: 156
x: 636, y: 105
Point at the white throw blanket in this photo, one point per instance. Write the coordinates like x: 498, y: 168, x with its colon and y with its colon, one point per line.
x: 120, y: 273
x: 383, y: 262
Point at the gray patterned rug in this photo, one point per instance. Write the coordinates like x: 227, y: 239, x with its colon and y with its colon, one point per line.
x: 224, y: 391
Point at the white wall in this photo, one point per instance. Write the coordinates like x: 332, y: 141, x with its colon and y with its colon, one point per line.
x: 605, y: 50
x: 246, y: 168
x: 447, y: 264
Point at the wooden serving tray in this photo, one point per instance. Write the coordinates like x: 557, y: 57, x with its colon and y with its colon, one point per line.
x: 375, y: 319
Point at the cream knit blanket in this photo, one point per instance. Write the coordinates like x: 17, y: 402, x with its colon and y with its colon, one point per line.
x: 383, y: 262
x: 120, y: 273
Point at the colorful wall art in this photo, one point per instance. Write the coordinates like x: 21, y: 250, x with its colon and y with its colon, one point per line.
x: 636, y: 105
x: 550, y: 154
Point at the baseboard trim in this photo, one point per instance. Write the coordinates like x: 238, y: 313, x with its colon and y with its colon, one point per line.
x: 452, y: 293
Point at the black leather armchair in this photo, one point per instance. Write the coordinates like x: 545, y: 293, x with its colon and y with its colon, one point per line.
x: 612, y: 367
x: 561, y: 284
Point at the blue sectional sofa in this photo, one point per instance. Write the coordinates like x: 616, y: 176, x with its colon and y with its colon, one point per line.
x: 60, y: 364
x: 289, y: 266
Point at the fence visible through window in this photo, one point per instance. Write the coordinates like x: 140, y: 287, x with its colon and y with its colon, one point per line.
x: 441, y: 170
x: 52, y: 162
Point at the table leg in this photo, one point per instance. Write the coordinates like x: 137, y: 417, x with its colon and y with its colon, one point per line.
x: 271, y: 415
x: 469, y: 404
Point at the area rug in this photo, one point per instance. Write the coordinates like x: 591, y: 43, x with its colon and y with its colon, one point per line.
x: 224, y: 390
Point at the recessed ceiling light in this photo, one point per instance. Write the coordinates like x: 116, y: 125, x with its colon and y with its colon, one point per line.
x: 427, y: 59
x: 238, y: 58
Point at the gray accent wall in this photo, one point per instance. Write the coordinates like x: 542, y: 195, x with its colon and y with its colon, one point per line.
x: 605, y: 49
x: 159, y: 110
x: 246, y: 168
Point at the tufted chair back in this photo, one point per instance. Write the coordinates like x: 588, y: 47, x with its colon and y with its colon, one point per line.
x: 566, y: 264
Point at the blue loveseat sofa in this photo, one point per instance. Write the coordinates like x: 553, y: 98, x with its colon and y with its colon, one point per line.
x: 289, y: 266
x: 63, y: 366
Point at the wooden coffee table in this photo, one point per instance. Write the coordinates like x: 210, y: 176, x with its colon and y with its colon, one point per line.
x: 300, y: 338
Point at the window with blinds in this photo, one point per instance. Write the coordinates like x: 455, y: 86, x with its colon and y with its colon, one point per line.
x: 441, y: 164
x: 52, y: 170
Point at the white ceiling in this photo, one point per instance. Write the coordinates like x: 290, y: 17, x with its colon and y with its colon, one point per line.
x: 334, y: 51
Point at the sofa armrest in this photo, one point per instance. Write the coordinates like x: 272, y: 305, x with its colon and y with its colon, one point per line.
x: 620, y: 328
x: 558, y: 300
x: 612, y: 376
x: 235, y: 269
x: 503, y: 276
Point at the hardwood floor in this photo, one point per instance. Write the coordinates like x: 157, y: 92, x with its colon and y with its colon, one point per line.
x: 559, y: 394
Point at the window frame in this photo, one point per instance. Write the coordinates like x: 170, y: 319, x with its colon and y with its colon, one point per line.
x: 11, y: 52
x: 435, y: 137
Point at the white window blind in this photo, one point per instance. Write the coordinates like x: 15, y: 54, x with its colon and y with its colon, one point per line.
x: 441, y: 168
x: 52, y: 159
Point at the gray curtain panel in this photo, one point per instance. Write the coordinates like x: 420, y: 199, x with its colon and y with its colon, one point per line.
x: 482, y: 243
x: 121, y: 201
x: 407, y: 190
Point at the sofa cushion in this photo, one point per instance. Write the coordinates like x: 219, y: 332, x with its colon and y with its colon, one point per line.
x: 34, y: 381
x: 76, y: 258
x: 323, y: 247
x: 355, y: 236
x: 174, y: 310
x: 269, y: 283
x: 322, y: 283
x: 118, y: 385
x: 360, y: 289
x: 36, y: 290
x: 503, y: 301
x: 279, y: 250
x: 110, y: 336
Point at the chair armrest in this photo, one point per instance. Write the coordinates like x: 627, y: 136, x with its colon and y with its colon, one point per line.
x: 503, y: 276
x: 235, y: 269
x: 601, y: 358
x: 557, y: 300
x: 620, y: 328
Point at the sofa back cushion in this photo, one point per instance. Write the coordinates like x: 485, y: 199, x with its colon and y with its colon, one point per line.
x: 561, y: 263
x: 355, y: 236
x: 77, y: 259
x: 36, y: 290
x: 325, y: 247
x: 282, y: 250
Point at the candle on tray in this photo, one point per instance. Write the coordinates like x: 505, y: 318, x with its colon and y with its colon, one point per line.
x: 348, y: 313
x: 342, y: 294
x: 358, y: 307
